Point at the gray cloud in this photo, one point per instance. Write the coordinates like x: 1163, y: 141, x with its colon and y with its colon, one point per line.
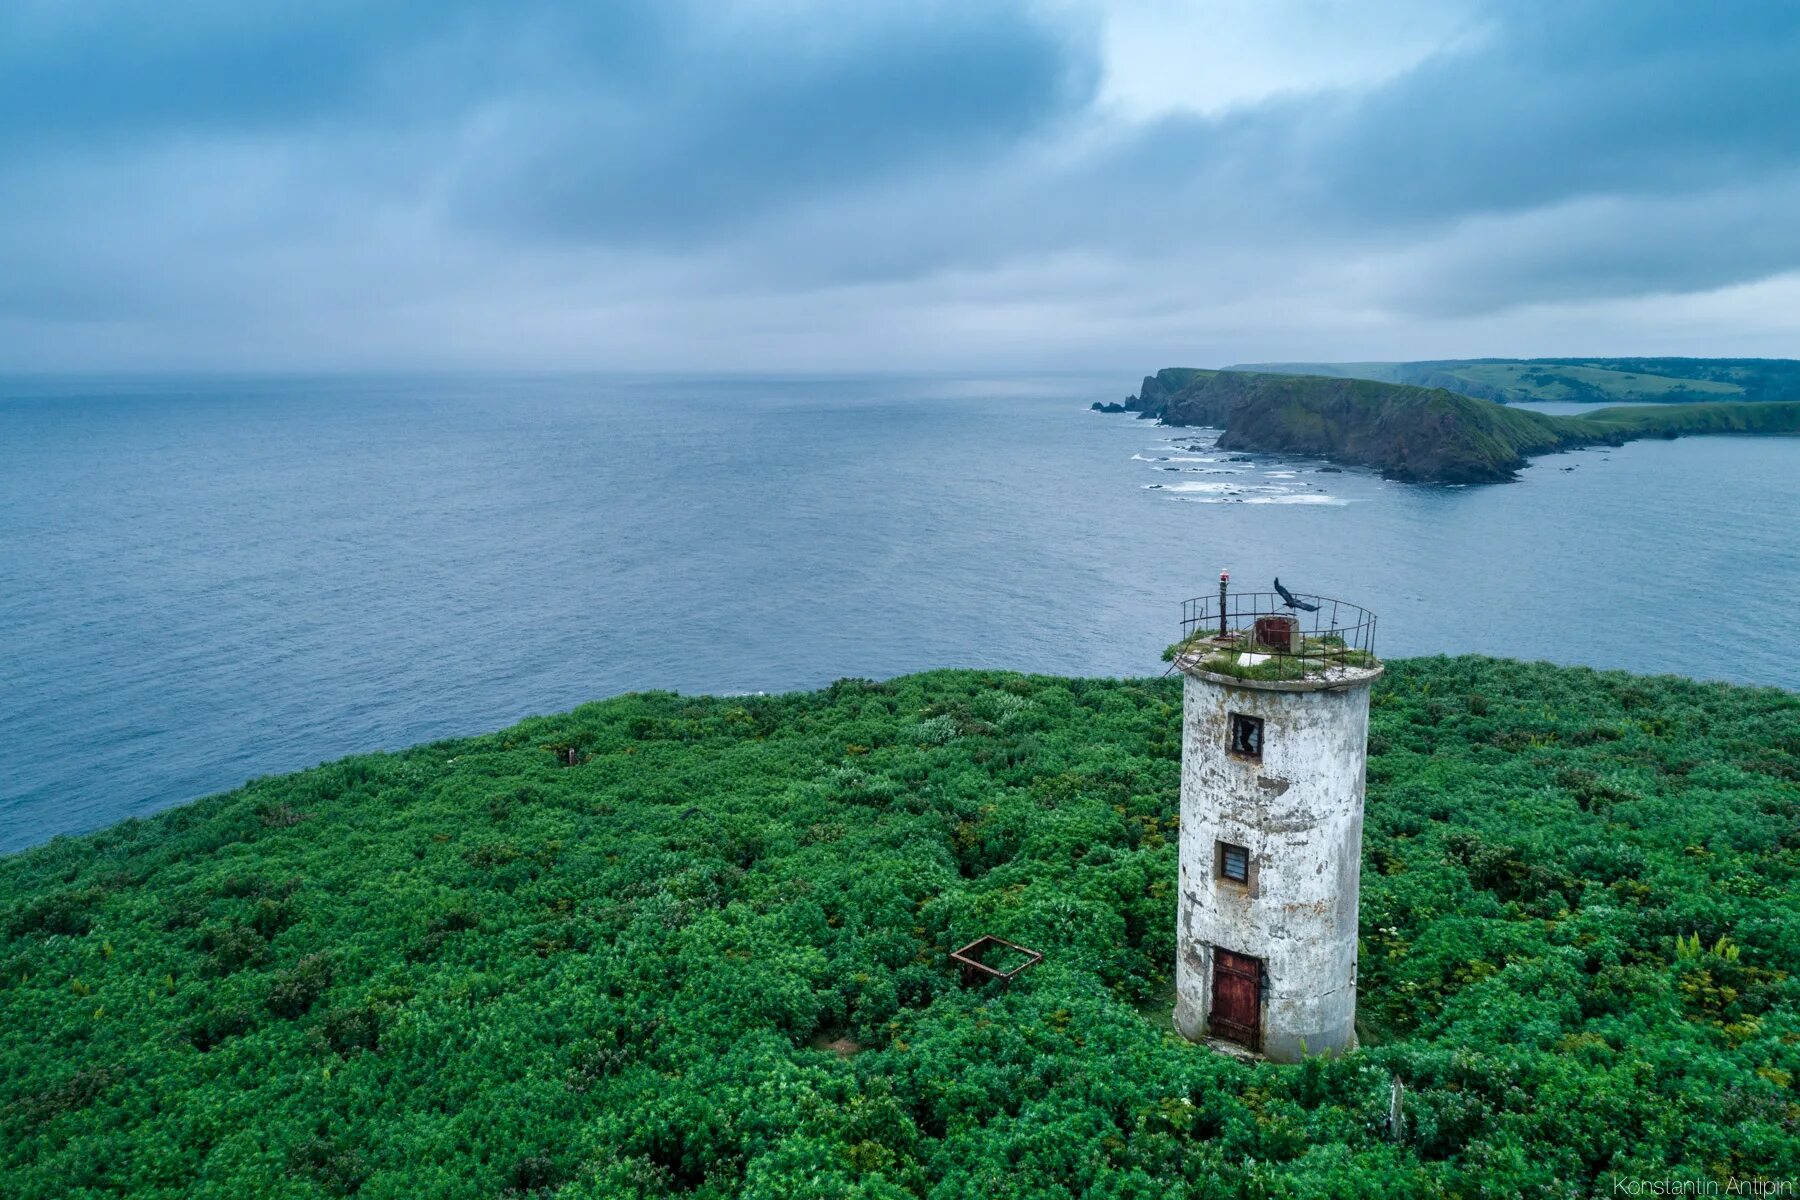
x: 719, y: 125
x: 1575, y: 98
x: 682, y: 184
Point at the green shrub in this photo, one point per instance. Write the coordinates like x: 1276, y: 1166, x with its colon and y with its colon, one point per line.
x: 712, y: 957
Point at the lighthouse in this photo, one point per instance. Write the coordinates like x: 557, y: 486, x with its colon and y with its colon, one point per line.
x: 1275, y: 730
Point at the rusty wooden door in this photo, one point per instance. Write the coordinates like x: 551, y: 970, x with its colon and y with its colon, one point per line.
x: 1237, y: 997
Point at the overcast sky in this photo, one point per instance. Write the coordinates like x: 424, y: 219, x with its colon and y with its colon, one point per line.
x: 788, y: 185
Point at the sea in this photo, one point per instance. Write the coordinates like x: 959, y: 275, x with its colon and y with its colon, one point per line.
x: 207, y: 580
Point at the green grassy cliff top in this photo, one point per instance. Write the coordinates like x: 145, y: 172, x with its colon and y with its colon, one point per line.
x: 1582, y: 380
x: 710, y: 958
x: 1417, y: 434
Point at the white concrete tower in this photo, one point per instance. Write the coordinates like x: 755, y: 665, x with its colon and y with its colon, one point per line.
x: 1275, y: 730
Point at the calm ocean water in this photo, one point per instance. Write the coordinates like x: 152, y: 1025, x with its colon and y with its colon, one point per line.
x: 205, y: 581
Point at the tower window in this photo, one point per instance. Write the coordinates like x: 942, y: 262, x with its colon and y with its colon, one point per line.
x: 1234, y: 863
x: 1246, y: 736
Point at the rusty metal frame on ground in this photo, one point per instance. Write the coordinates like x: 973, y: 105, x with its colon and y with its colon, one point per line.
x: 975, y: 971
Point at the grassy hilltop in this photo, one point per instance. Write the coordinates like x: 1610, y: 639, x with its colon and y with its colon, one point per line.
x: 1416, y: 434
x: 709, y: 958
x: 1582, y: 380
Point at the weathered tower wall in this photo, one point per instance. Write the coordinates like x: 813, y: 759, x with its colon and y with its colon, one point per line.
x: 1298, y: 812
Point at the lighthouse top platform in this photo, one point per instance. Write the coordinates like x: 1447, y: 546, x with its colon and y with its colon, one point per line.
x: 1276, y: 642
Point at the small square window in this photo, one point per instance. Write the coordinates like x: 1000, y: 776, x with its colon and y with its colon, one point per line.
x: 1246, y: 735
x: 1234, y: 863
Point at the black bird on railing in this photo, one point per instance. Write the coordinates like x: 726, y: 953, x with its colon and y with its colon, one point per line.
x: 1292, y: 600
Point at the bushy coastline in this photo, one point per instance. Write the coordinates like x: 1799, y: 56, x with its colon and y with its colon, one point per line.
x: 1578, y: 380
x: 709, y: 957
x: 1416, y: 434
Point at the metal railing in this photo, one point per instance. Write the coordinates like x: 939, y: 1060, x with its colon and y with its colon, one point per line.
x: 1268, y: 635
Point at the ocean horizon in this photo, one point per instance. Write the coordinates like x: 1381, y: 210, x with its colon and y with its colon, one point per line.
x: 206, y: 579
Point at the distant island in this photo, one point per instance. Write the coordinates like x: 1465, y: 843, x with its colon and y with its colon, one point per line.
x: 1411, y: 433
x: 1581, y: 380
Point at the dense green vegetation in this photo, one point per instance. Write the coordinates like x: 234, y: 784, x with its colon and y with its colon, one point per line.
x: 1582, y: 380
x: 1680, y: 420
x: 1417, y: 434
x: 709, y: 957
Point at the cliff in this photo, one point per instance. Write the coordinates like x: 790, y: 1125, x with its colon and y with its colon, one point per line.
x: 1415, y: 434
x: 1581, y: 380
